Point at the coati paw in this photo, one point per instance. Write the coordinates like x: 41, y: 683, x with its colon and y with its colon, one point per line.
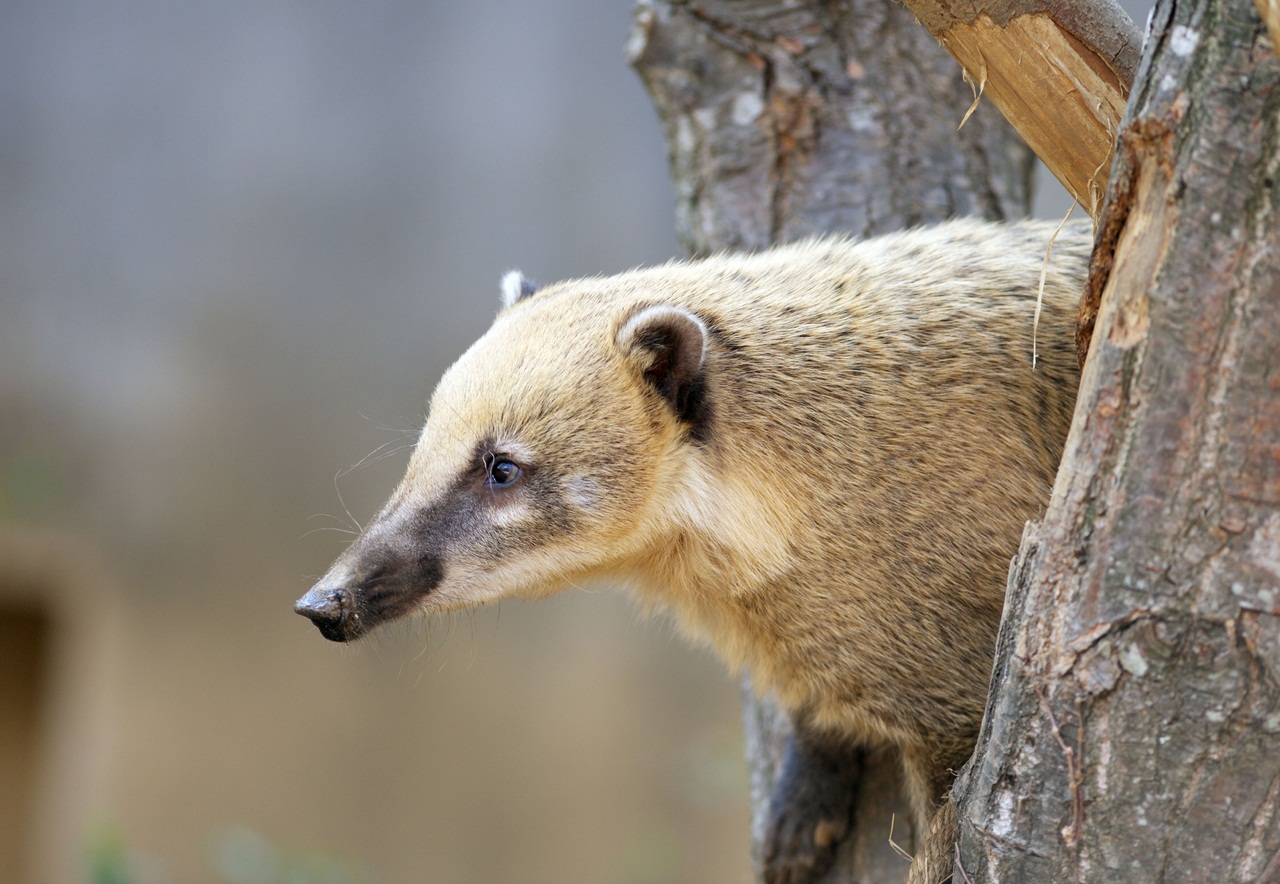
x: 801, y: 847
x: 810, y: 812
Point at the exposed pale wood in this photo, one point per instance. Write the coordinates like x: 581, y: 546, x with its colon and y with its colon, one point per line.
x: 1059, y: 72
x: 1269, y: 11
x: 1029, y: 67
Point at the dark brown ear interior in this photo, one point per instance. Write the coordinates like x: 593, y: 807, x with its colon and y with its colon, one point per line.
x: 669, y: 346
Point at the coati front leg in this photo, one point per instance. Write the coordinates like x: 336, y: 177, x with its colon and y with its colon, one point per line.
x: 811, y: 809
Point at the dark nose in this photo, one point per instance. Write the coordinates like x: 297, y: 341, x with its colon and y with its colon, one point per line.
x: 333, y: 611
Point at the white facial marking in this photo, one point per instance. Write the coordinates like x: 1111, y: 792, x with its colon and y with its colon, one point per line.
x: 584, y: 491
x: 517, y: 451
x: 508, y: 514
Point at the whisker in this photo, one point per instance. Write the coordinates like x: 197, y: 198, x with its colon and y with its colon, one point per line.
x: 471, y: 654
x: 338, y: 489
x: 380, y: 453
x: 328, y: 528
x: 426, y: 622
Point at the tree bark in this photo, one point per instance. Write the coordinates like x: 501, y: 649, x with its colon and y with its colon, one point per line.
x: 1134, y: 728
x: 1059, y: 71
x: 787, y: 119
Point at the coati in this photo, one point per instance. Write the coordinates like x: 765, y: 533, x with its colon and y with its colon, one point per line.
x: 819, y: 458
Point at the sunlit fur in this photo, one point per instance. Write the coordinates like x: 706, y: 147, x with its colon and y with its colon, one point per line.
x: 877, y: 438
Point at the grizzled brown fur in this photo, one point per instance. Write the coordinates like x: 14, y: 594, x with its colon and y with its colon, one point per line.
x: 818, y: 458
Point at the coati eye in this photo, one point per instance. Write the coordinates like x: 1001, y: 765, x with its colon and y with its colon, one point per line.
x: 502, y: 473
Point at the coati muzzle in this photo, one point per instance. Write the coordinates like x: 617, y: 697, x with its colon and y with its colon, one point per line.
x: 355, y: 596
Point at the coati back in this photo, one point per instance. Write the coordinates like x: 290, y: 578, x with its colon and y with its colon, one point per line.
x: 819, y: 458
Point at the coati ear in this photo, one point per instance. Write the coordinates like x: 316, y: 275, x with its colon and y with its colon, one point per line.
x: 669, y: 344
x: 515, y: 287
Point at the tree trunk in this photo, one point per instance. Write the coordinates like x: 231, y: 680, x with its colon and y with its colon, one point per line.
x: 1134, y: 726
x: 786, y: 119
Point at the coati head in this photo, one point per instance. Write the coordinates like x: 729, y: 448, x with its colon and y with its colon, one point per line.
x: 547, y: 457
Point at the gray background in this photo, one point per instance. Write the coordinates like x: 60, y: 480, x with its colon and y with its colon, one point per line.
x: 238, y: 243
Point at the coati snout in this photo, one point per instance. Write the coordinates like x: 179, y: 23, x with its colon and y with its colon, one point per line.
x: 369, y: 585
x: 395, y: 563
x: 819, y: 458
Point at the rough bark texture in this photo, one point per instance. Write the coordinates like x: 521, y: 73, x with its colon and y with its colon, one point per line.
x: 1134, y: 727
x: 1059, y: 70
x: 786, y: 119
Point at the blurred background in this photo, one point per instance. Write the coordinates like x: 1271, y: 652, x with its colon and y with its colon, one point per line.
x: 238, y: 243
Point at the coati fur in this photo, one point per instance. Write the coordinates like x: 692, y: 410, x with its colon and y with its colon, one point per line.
x: 819, y: 458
